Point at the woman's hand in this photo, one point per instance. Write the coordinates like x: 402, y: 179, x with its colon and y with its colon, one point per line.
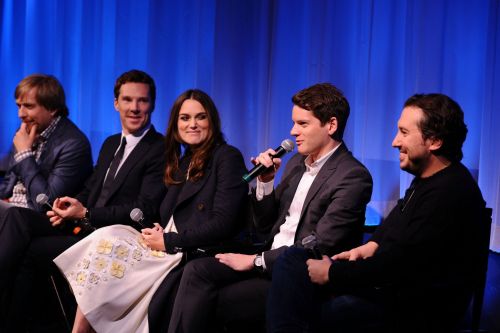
x: 153, y: 237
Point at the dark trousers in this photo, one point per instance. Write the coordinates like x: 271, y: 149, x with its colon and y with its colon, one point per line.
x: 295, y: 304
x: 212, y: 295
x: 28, y: 243
x: 161, y: 305
x: 18, y: 226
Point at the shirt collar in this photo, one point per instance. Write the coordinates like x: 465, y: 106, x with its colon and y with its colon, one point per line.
x: 44, y: 136
x: 318, y: 164
x: 133, y: 139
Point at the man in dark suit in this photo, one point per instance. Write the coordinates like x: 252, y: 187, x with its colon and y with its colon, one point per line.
x: 50, y: 156
x: 128, y: 175
x: 324, y: 191
x: 399, y: 281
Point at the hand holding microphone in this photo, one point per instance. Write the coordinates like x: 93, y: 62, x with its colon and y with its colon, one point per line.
x: 42, y: 199
x: 66, y: 208
x: 268, y: 162
x: 153, y: 237
x: 310, y: 243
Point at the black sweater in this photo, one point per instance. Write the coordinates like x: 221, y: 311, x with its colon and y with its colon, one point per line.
x: 428, y: 244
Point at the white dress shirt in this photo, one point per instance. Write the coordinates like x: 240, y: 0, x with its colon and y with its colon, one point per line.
x: 286, y: 234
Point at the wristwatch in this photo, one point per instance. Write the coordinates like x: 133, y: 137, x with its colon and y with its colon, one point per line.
x: 258, y: 263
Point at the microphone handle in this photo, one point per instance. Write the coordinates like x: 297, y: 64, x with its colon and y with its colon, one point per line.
x: 316, y: 254
x: 257, y: 170
x: 140, y: 222
x: 260, y: 168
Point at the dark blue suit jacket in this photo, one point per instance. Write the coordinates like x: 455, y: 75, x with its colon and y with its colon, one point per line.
x: 64, y: 165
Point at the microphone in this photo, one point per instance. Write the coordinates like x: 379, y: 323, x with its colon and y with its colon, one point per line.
x: 310, y: 243
x: 42, y: 199
x: 285, y: 147
x: 80, y: 225
x: 137, y: 216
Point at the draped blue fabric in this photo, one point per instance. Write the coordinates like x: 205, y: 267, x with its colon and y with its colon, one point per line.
x: 251, y: 56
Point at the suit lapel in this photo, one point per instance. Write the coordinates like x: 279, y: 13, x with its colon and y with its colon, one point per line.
x: 131, y: 161
x: 324, y: 174
x: 53, y: 141
x: 105, y: 157
x: 191, y: 188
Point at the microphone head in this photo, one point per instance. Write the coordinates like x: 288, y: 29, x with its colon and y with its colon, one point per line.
x: 42, y: 199
x: 288, y: 145
x: 136, y: 215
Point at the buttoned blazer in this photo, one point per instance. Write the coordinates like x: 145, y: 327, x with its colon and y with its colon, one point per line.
x: 334, y: 207
x: 64, y: 165
x: 138, y: 183
x: 210, y: 209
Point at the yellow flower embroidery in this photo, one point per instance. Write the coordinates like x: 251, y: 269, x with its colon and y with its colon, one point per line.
x: 85, y: 263
x: 100, y: 264
x: 137, y: 255
x: 94, y: 278
x: 117, y: 270
x: 104, y: 246
x: 80, y: 278
x: 121, y: 252
x: 158, y: 254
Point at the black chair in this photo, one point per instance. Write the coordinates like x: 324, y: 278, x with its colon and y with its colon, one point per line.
x: 67, y: 317
x: 482, y: 269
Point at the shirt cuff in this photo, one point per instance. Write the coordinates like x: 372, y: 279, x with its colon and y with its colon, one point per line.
x: 263, y: 262
x: 22, y: 155
x: 263, y: 189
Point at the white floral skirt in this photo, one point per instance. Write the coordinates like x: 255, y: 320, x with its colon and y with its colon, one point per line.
x: 114, y: 275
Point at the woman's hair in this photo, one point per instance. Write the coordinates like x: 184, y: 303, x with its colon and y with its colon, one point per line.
x: 201, y: 153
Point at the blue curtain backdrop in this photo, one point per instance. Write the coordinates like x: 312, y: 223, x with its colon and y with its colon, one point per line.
x: 251, y: 56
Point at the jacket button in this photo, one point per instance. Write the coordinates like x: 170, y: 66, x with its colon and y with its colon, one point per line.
x: 201, y: 206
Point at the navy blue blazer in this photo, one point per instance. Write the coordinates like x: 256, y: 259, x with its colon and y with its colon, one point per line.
x: 64, y: 165
x: 209, y: 210
x: 334, y: 207
x: 138, y: 183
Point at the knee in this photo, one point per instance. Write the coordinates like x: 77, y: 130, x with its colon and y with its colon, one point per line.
x: 292, y: 258
x: 11, y: 214
x: 197, y: 269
